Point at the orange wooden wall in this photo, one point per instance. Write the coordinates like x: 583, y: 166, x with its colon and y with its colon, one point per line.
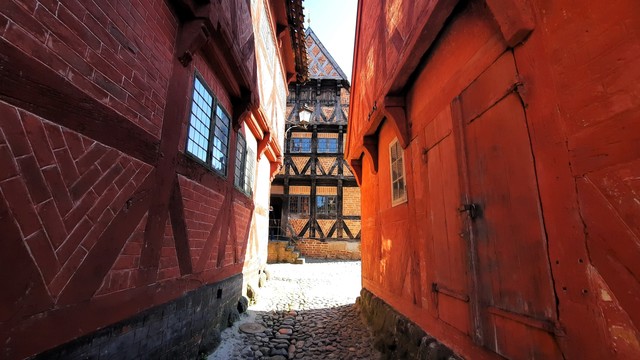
x: 529, y: 109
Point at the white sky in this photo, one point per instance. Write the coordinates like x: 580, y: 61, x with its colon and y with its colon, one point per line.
x: 334, y: 22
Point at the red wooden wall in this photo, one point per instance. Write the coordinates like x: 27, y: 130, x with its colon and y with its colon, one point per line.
x: 102, y: 215
x: 529, y: 110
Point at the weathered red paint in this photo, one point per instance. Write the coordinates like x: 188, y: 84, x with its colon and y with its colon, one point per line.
x: 102, y: 214
x: 529, y: 110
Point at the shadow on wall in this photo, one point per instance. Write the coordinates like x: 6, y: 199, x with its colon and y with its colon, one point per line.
x: 185, y: 328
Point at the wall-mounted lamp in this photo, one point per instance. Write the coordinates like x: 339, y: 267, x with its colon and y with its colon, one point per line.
x: 305, y: 115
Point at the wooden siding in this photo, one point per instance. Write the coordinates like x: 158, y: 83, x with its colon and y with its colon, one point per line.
x: 526, y: 110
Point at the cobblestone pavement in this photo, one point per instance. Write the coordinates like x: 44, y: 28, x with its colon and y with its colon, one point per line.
x: 306, y: 312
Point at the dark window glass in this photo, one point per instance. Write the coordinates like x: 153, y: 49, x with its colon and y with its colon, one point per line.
x: 299, y: 204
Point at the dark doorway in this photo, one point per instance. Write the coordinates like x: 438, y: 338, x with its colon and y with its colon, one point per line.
x: 275, y: 218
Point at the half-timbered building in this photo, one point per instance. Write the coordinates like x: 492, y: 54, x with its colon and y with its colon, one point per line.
x: 137, y: 144
x: 315, y: 198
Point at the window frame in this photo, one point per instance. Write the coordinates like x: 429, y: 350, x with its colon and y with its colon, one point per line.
x: 214, y: 118
x: 329, y: 212
x: 325, y: 150
x: 298, y: 198
x: 403, y: 176
x: 240, y: 165
x: 249, y: 171
x: 244, y: 168
x: 291, y: 145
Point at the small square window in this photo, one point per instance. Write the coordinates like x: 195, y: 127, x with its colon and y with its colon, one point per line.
x: 326, y: 205
x: 208, y: 134
x: 299, y: 205
x: 327, y: 145
x: 398, y: 188
x: 300, y: 145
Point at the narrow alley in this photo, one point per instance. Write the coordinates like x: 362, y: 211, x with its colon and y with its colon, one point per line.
x: 304, y: 312
x: 467, y: 170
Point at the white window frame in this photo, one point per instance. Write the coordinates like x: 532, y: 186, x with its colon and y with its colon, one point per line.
x: 403, y: 198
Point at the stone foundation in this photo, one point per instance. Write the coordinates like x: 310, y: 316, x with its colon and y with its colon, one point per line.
x: 396, y: 337
x: 186, y: 328
x: 340, y: 249
x: 282, y: 252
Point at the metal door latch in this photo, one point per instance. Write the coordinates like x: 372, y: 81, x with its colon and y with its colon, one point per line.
x: 472, y: 210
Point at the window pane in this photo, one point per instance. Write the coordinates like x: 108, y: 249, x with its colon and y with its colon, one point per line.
x: 249, y: 171
x: 401, y: 189
x: 327, y: 145
x: 299, y: 204
x: 220, y: 141
x: 300, y: 145
x: 199, y: 122
x: 240, y: 162
x: 398, y: 190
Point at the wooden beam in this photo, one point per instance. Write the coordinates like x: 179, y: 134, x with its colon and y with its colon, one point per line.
x: 515, y: 19
x: 30, y: 85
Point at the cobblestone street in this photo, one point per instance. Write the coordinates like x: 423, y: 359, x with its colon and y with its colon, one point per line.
x: 304, y: 312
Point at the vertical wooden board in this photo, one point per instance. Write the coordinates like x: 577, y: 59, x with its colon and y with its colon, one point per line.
x: 438, y: 218
x: 511, y: 242
x: 454, y: 312
x: 515, y: 340
x: 458, y: 249
x: 422, y: 225
x: 370, y: 242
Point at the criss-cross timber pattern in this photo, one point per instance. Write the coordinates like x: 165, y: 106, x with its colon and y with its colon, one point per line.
x: 83, y: 210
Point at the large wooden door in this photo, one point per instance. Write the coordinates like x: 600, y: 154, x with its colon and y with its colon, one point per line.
x: 515, y: 309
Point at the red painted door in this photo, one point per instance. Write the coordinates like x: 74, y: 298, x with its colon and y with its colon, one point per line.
x: 515, y: 309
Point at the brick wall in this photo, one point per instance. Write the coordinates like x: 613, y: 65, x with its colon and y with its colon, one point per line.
x: 100, y: 208
x: 119, y: 52
x: 351, y: 201
x: 345, y: 250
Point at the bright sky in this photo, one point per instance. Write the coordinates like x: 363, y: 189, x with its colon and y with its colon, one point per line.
x: 334, y: 22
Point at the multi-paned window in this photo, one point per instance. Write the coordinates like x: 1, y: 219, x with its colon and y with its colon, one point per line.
x: 399, y: 191
x: 241, y: 153
x: 300, y: 145
x: 249, y: 171
x: 208, y: 137
x: 328, y: 145
x: 326, y: 205
x: 299, y: 204
x: 245, y: 167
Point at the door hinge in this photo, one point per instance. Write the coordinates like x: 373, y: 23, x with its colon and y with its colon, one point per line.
x: 472, y: 210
